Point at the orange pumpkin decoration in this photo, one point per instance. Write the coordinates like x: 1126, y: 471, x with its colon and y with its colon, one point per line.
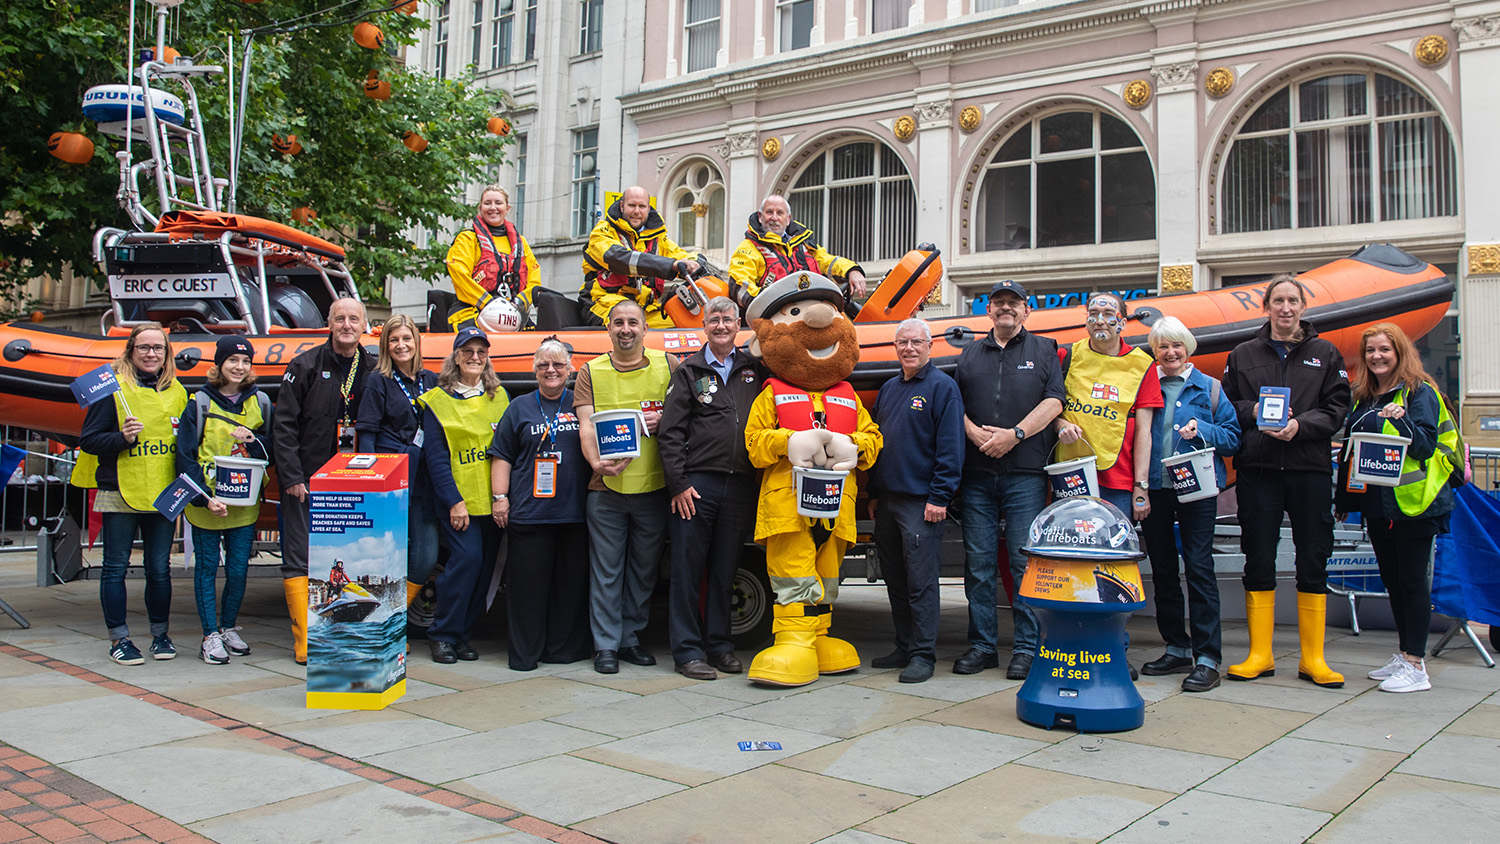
x: 499, y: 126
x: 369, y: 36
x: 304, y: 215
x: 377, y: 88
x: 71, y: 147
x: 413, y: 141
x: 168, y: 55
x: 409, y: 8
x: 286, y: 146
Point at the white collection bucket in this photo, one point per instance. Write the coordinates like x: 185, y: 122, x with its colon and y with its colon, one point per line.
x: 1192, y: 474
x: 820, y: 492
x: 1072, y: 478
x: 619, y: 433
x: 237, y: 480
x: 1376, y: 458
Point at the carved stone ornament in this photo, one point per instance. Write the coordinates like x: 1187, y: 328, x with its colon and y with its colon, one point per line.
x: 1431, y: 50
x: 1168, y: 75
x: 969, y: 118
x: 721, y: 150
x: 661, y: 163
x: 770, y: 148
x: 700, y: 209
x: 1177, y: 279
x: 740, y: 143
x: 904, y: 128
x: 1477, y: 29
x: 1484, y: 259
x: 933, y: 113
x: 1137, y: 93
x: 1219, y: 82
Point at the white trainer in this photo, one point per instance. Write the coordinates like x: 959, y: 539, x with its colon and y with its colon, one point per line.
x: 233, y: 642
x: 1388, y: 669
x: 1407, y: 678
x: 213, y: 651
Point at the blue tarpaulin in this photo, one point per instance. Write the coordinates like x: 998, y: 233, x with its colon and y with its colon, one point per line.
x: 1466, y: 565
x: 10, y: 458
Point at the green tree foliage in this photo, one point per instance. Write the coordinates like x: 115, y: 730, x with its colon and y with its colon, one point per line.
x: 368, y: 189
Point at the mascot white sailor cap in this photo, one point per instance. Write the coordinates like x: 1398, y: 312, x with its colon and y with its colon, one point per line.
x: 793, y: 288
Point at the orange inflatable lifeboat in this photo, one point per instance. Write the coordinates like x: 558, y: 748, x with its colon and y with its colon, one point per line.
x: 1376, y: 284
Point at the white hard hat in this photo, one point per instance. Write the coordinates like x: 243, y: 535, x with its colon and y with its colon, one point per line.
x: 499, y: 317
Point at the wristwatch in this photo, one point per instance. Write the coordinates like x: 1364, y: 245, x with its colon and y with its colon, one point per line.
x: 499, y: 496
x: 1020, y: 433
x: 1141, y: 485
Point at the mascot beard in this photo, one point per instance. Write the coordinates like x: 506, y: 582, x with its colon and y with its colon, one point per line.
x: 812, y: 358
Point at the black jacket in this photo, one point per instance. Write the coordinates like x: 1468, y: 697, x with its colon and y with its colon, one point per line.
x: 387, y: 423
x: 1000, y: 386
x: 304, y: 433
x: 1378, y: 503
x: 699, y: 436
x: 1314, y: 370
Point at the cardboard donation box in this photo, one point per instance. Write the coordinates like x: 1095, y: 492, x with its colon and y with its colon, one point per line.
x: 356, y: 612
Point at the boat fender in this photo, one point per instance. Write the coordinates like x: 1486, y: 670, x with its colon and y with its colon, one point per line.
x: 1146, y: 315
x: 17, y: 349
x: 188, y: 358
x: 959, y: 336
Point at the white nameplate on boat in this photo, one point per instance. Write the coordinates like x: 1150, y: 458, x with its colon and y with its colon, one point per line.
x: 172, y: 286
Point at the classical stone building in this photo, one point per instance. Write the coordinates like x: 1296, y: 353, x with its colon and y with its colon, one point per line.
x: 1163, y: 146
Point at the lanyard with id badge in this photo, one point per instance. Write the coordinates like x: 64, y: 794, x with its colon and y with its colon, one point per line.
x: 346, y: 424
x: 548, y: 461
x: 420, y: 436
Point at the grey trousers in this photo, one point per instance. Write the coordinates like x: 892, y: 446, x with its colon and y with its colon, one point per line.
x: 626, y: 533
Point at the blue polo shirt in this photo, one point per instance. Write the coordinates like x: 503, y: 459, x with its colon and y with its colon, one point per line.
x: 531, y: 425
x: 921, y: 422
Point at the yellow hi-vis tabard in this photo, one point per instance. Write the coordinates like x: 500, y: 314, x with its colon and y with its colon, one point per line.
x: 639, y: 389
x: 1100, y: 392
x: 217, y: 425
x: 469, y: 428
x: 1422, y: 480
x: 146, y: 468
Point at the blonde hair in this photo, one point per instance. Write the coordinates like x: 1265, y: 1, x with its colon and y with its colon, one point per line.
x: 124, y: 367
x: 494, y: 189
x: 448, y: 377
x: 553, y: 346
x: 384, y: 364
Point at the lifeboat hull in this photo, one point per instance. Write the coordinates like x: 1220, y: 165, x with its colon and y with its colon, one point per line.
x: 1376, y: 284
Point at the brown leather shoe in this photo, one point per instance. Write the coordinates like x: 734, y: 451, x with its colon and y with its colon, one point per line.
x: 697, y: 669
x: 726, y: 662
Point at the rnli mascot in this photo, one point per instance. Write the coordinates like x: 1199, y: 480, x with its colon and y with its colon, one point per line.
x: 807, y: 416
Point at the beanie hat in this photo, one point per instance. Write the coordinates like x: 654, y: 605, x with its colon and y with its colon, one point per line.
x: 232, y: 344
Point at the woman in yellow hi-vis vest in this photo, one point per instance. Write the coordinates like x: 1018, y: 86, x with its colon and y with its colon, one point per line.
x: 465, y: 407
x: 130, y: 449
x: 1392, y: 395
x: 228, y: 417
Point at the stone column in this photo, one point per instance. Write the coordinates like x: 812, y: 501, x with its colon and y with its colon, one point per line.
x: 1174, y: 105
x: 1478, y: 60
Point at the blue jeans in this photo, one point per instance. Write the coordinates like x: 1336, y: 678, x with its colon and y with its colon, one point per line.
x: 1195, y: 521
x: 156, y: 535
x: 626, y: 533
x: 983, y: 499
x: 237, y: 543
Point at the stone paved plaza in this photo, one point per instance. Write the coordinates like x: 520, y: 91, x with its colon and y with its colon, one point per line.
x: 183, y: 751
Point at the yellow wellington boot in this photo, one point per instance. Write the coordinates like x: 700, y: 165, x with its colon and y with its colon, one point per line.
x: 1312, y: 615
x: 1260, y: 611
x: 792, y: 660
x: 412, y: 590
x: 296, y: 607
x: 835, y: 656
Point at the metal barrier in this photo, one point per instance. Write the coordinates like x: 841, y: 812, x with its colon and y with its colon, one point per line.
x: 39, y: 490
x: 1486, y: 463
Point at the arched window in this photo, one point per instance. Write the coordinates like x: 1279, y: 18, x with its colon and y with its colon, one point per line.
x: 1068, y: 178
x: 1337, y: 150
x: 697, y: 203
x: 858, y: 200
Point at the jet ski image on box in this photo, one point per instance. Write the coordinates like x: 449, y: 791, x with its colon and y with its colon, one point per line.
x: 352, y: 603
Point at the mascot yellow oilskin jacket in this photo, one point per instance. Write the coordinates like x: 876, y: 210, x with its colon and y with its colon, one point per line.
x: 808, y: 416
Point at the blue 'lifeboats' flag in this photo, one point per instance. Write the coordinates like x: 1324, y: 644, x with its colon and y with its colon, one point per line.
x: 177, y: 496
x: 94, y: 385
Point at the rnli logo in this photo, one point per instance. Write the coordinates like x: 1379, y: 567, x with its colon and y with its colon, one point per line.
x: 1182, y: 473
x: 831, y: 489
x: 802, y: 282
x: 1087, y: 526
x: 1392, y: 455
x: 1313, y: 362
x: 1074, y: 481
x: 1027, y: 365
x: 622, y: 429
x: 1105, y: 392
x: 238, y: 478
x: 564, y: 418
x: 918, y: 403
x: 175, y: 422
x: 648, y: 406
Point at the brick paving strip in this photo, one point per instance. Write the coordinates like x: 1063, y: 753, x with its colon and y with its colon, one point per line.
x: 41, y: 803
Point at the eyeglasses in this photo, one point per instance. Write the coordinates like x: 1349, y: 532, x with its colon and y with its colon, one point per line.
x: 474, y: 353
x: 548, y: 366
x: 151, y: 350
x: 911, y: 344
x: 722, y: 321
